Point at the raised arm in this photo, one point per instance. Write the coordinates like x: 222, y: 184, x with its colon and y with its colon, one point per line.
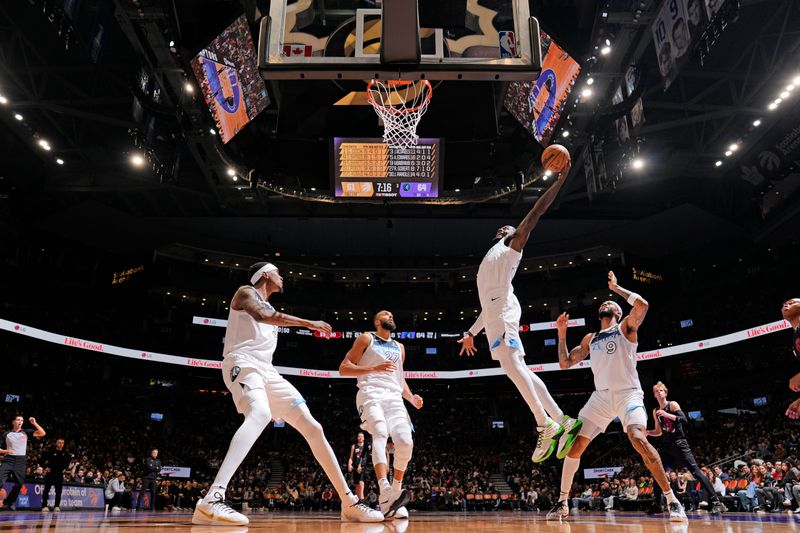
x: 572, y: 357
x: 519, y: 238
x: 468, y: 342
x: 246, y: 300
x: 40, y: 432
x: 410, y: 397
x: 350, y: 367
x: 631, y: 323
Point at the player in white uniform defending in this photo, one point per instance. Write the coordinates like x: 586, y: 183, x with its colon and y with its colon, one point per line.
x: 618, y: 393
x: 376, y: 360
x: 500, y: 315
x: 261, y: 394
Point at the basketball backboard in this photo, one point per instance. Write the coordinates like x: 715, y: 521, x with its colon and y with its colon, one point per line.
x: 453, y: 40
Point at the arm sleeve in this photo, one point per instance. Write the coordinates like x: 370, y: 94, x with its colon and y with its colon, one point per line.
x: 477, y: 327
x: 681, y: 416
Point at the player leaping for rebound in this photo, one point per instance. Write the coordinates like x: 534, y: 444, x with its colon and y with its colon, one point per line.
x: 791, y: 312
x: 618, y: 393
x: 376, y: 360
x: 500, y: 315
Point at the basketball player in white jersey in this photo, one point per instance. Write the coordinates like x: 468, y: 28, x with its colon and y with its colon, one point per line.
x: 618, y: 393
x: 376, y: 360
x: 261, y: 394
x: 500, y: 315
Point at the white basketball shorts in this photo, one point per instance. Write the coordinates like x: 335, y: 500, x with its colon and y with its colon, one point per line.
x: 605, y: 405
x: 239, y: 372
x: 376, y: 405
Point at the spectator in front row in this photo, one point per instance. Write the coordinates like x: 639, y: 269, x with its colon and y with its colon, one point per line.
x: 114, y: 492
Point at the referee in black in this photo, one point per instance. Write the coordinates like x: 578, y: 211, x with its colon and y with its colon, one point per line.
x: 670, y: 425
x: 14, y: 451
x: 55, y: 460
x: 152, y: 468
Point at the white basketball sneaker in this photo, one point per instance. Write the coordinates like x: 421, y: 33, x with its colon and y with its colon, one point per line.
x: 217, y: 512
x: 360, y: 512
x: 676, y: 512
x: 391, y: 501
x: 402, y: 512
x: 571, y: 428
x: 559, y: 511
x: 546, y: 442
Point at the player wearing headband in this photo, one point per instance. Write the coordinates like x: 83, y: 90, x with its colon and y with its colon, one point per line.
x: 500, y: 315
x: 261, y: 395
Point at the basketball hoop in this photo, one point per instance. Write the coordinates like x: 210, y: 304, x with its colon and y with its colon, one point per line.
x: 400, y: 105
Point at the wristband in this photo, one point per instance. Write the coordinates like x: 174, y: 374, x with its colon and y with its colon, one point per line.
x: 633, y: 297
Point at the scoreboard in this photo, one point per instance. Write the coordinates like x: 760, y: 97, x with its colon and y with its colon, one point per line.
x: 369, y: 168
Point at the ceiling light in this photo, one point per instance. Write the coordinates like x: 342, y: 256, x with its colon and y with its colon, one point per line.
x: 137, y: 160
x: 772, y: 106
x: 18, y: 116
x: 757, y: 123
x: 718, y: 164
x: 188, y: 87
x: 3, y: 100
x: 212, y: 131
x: 231, y: 172
x: 586, y: 93
x: 544, y: 178
x: 796, y: 81
x: 638, y: 163
x: 60, y: 161
x: 605, y: 50
x: 589, y: 81
x: 565, y: 133
x: 457, y: 190
x: 777, y: 101
x: 790, y: 87
x: 785, y: 94
x: 728, y: 153
x: 733, y: 147
x: 608, y: 42
x: 172, y: 44
x: 548, y: 173
x: 236, y: 178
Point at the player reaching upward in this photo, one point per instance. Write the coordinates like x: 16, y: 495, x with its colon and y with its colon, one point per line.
x: 674, y: 448
x: 618, y: 393
x: 791, y: 312
x: 500, y: 315
x: 261, y: 394
x: 376, y: 360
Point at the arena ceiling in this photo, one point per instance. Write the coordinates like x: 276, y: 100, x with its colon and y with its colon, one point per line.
x: 90, y: 114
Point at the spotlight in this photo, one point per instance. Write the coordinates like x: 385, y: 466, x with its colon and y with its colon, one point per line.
x: 728, y: 153
x: 548, y: 173
x: 733, y: 147
x: 790, y: 87
x: 3, y: 100
x: 785, y: 94
x: 44, y: 144
x: 796, y: 81
x: 565, y: 133
x: 172, y: 44
x: 212, y: 131
x: 777, y: 101
x: 608, y: 42
x: 18, y: 116
x: 188, y: 87
x: 757, y: 123
x: 231, y: 172
x: 589, y: 81
x: 236, y: 178
x: 137, y: 160
x: 718, y: 163
x: 638, y: 163
x: 772, y: 106
x: 60, y: 161
x: 605, y: 50
x: 586, y: 93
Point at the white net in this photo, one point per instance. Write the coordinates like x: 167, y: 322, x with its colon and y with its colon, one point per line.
x: 400, y: 105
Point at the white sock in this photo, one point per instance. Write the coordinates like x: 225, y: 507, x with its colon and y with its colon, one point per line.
x: 397, y: 485
x: 383, y: 484
x: 670, y: 497
x: 514, y: 367
x: 568, y: 471
x: 548, y: 402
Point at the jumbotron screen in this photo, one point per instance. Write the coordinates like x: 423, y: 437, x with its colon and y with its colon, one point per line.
x: 369, y: 168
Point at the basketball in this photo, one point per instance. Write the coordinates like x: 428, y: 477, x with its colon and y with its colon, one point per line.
x: 555, y: 157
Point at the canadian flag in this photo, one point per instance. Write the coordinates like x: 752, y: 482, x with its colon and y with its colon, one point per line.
x: 297, y: 50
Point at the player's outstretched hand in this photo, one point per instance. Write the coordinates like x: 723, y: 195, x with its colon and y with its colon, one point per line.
x: 416, y: 401
x: 562, y: 323
x: 793, y: 411
x: 319, y: 325
x: 612, y: 280
x: 467, y: 345
x: 794, y: 383
x: 384, y: 366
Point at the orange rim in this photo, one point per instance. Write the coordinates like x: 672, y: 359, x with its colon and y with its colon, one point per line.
x: 392, y: 109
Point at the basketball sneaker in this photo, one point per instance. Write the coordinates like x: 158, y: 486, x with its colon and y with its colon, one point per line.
x: 360, y: 512
x: 559, y: 511
x: 717, y: 507
x: 676, y: 512
x: 217, y: 512
x: 402, y: 512
x: 571, y: 428
x: 546, y: 442
x: 391, y: 501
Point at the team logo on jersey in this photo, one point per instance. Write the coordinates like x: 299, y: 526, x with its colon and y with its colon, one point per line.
x: 611, y: 347
x: 235, y: 373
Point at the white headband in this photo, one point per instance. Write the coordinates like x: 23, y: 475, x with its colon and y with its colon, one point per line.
x: 269, y: 267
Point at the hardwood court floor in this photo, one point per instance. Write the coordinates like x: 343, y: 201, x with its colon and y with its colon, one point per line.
x: 500, y: 522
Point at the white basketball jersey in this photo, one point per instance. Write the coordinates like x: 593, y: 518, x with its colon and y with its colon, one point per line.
x: 245, y: 336
x: 378, y: 351
x: 497, y: 270
x: 613, y: 360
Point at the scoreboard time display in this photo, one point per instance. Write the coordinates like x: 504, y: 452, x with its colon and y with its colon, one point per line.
x: 369, y: 168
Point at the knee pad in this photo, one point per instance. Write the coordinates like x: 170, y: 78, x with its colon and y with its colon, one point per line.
x: 380, y: 436
x: 403, y: 446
